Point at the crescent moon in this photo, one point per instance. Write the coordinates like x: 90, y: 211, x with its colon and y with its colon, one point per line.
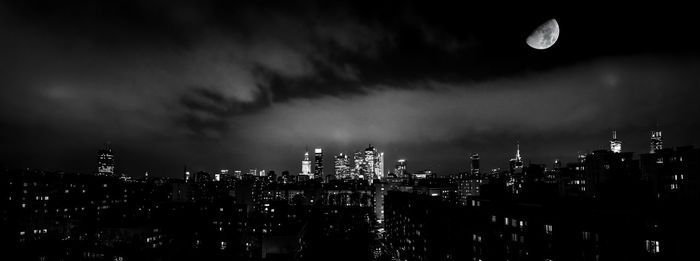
x: 544, y: 36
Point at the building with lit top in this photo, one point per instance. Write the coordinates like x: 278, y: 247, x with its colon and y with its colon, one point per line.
x: 306, y: 165
x: 615, y: 144
x: 657, y: 142
x: 342, y: 166
x: 516, y: 163
x: 400, y: 169
x: 475, y: 164
x: 318, y: 162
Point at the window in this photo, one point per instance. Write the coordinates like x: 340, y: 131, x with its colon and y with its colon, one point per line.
x: 493, y: 219
x: 548, y: 229
x: 586, y: 235
x: 652, y: 246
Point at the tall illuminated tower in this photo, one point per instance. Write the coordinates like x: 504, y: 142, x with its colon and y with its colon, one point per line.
x: 615, y: 144
x: 318, y: 162
x: 105, y: 161
x: 306, y: 164
x: 379, y: 166
x: 400, y: 168
x: 370, y: 160
x: 342, y: 166
x: 517, y: 162
x: 656, y: 142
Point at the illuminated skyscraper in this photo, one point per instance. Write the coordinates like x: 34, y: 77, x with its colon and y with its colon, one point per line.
x: 306, y: 165
x: 105, y: 161
x: 370, y: 156
x: 379, y: 166
x: 475, y: 163
x: 318, y: 162
x: 342, y: 166
x: 359, y: 161
x: 517, y: 162
x: 615, y: 144
x: 657, y: 141
x: 400, y: 169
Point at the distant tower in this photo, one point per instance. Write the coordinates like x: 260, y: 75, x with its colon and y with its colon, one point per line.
x: 318, y: 162
x: 615, y: 144
x: 105, y: 161
x: 342, y: 166
x: 306, y: 164
x: 379, y: 166
x: 656, y: 142
x: 187, y: 175
x: 475, y: 163
x: 400, y: 170
x: 517, y: 162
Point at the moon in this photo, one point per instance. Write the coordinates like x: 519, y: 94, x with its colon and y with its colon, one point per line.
x: 544, y: 36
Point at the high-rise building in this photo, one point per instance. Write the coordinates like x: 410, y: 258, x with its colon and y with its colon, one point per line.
x: 306, y: 165
x: 359, y: 161
x: 517, y: 162
x: 475, y: 164
x: 105, y: 161
x: 373, y: 163
x: 342, y: 166
x: 370, y: 156
x: 318, y: 162
x: 656, y: 142
x: 400, y: 169
x: 379, y: 166
x: 615, y: 144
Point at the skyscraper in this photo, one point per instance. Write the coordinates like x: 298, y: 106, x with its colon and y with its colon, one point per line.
x: 359, y: 163
x: 306, y: 164
x: 517, y: 162
x: 379, y: 166
x: 475, y: 163
x: 400, y: 169
x: 370, y: 156
x: 615, y: 144
x: 656, y: 142
x: 318, y: 162
x: 105, y: 161
x: 342, y: 166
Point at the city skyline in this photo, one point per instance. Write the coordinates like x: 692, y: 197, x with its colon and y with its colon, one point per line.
x: 236, y: 85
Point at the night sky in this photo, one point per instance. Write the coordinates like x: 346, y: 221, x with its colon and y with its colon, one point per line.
x: 225, y: 84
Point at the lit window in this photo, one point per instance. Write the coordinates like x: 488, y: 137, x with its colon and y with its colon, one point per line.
x: 548, y: 229
x: 586, y: 235
x: 652, y: 246
x: 493, y: 219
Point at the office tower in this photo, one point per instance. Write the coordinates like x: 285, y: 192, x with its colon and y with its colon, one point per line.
x: 615, y: 144
x: 306, y: 165
x: 475, y: 164
x: 342, y: 166
x: 656, y: 142
x: 105, y: 161
x: 379, y: 166
x: 359, y: 161
x: 188, y: 177
x: 373, y: 163
x: 318, y: 162
x: 370, y: 156
x: 400, y: 169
